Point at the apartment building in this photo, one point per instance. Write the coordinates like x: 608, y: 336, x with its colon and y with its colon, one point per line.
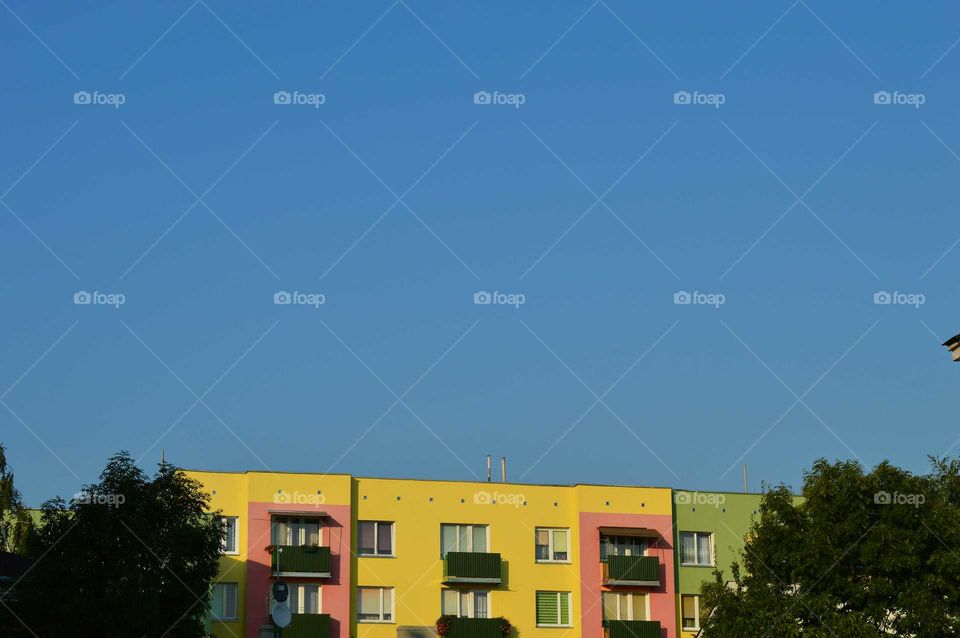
x: 386, y: 558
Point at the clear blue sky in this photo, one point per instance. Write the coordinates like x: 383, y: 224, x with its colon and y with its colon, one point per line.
x: 797, y: 199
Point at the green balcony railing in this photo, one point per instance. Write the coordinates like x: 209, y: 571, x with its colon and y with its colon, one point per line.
x: 633, y: 628
x: 306, y: 626
x: 475, y: 628
x: 632, y: 569
x: 466, y: 567
x: 302, y: 559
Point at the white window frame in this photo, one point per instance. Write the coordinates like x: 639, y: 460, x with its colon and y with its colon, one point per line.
x: 469, y: 527
x: 696, y: 548
x: 559, y: 608
x: 550, y: 550
x: 221, y: 589
x: 236, y: 536
x: 376, y: 536
x: 696, y: 610
x: 296, y: 605
x: 384, y: 591
x: 473, y: 604
x: 629, y: 595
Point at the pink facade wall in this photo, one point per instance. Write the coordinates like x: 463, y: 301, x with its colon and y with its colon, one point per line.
x: 336, y: 589
x: 662, y: 598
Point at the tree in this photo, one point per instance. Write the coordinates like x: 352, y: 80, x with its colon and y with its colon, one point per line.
x: 15, y: 521
x: 862, y: 555
x: 129, y: 556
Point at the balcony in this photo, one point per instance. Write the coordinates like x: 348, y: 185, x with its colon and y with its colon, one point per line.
x: 300, y: 560
x: 308, y: 626
x: 632, y: 628
x: 635, y: 571
x: 475, y: 628
x: 471, y: 567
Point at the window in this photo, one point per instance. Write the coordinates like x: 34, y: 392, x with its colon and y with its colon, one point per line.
x: 230, y: 542
x: 375, y: 538
x: 304, y: 598
x: 465, y: 603
x: 690, y: 612
x: 552, y: 545
x: 624, y: 606
x: 553, y: 609
x: 296, y: 531
x: 374, y: 604
x: 696, y: 548
x: 463, y: 538
x: 622, y: 546
x: 224, y: 603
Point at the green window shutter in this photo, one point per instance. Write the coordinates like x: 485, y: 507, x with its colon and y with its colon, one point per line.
x: 547, y: 610
x: 564, y: 608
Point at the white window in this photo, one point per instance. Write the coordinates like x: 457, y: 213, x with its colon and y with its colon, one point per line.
x: 374, y: 538
x: 624, y: 606
x: 553, y: 609
x: 374, y: 604
x: 463, y: 538
x: 553, y: 545
x: 304, y: 598
x: 690, y: 612
x: 622, y: 546
x: 696, y: 548
x: 230, y: 539
x: 465, y: 603
x: 296, y: 531
x: 223, y: 605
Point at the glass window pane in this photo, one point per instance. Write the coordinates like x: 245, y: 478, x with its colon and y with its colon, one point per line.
x: 543, y: 542
x: 311, y: 533
x: 624, y: 607
x: 385, y: 539
x: 479, y: 538
x: 639, y: 607
x: 688, y: 605
x: 448, y: 539
x: 387, y: 604
x: 311, y: 599
x: 369, y: 603
x: 365, y: 537
x: 216, y: 605
x: 560, y: 544
x: 703, y: 549
x: 463, y: 538
x: 480, y: 605
x: 564, y: 608
x: 687, y: 548
x: 610, y: 608
x: 449, y: 602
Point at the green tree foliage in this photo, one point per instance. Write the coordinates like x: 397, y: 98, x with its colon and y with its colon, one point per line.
x: 863, y: 555
x: 129, y: 556
x: 15, y: 521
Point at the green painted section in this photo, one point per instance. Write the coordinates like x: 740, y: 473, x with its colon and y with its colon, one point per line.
x: 475, y: 628
x: 471, y: 565
x: 306, y: 559
x: 727, y: 515
x: 633, y: 629
x: 635, y: 568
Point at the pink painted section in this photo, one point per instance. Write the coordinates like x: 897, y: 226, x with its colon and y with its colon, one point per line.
x: 335, y: 591
x: 662, y: 598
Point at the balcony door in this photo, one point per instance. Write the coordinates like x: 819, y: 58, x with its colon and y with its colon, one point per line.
x: 296, y: 531
x: 622, y: 546
x: 463, y: 538
x: 465, y: 603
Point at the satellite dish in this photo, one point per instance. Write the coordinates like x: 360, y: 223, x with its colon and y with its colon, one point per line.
x: 281, y: 591
x: 281, y: 615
